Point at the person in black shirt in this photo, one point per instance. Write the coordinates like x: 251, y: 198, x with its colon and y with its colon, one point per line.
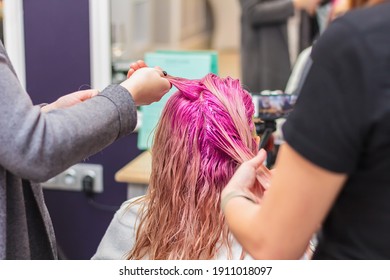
x: 332, y: 173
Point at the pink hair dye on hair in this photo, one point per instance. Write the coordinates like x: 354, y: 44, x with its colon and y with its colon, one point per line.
x: 220, y: 111
x: 205, y: 132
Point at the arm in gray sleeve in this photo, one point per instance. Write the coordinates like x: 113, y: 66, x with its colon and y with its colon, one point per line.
x: 37, y: 146
x: 267, y: 12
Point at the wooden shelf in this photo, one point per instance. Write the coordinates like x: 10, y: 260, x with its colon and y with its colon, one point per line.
x: 136, y: 171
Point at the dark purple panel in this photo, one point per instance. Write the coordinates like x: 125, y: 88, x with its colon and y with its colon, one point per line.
x: 57, y: 47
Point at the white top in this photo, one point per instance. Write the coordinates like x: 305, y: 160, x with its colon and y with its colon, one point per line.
x: 120, y: 236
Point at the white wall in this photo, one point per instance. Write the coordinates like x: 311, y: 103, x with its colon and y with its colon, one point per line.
x: 226, y: 18
x: 143, y: 25
x: 14, y: 36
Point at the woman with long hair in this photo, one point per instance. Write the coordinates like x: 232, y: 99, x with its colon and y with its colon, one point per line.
x: 205, y: 132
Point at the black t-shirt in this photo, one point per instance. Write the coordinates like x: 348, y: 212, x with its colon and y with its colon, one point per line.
x: 341, y: 122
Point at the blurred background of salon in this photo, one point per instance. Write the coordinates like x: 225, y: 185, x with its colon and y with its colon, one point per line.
x: 63, y: 46
x: 1, y: 20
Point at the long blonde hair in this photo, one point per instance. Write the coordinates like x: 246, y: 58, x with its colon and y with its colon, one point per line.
x: 205, y: 132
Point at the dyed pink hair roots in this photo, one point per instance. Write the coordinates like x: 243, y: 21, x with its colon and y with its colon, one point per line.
x: 205, y: 132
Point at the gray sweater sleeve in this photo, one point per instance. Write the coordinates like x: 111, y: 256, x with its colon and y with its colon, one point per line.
x: 37, y: 146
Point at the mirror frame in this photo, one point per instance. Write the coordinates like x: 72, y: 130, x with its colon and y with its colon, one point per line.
x: 14, y: 36
x: 100, y: 43
x: 99, y: 23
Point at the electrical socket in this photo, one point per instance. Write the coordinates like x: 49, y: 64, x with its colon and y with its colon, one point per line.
x: 72, y: 178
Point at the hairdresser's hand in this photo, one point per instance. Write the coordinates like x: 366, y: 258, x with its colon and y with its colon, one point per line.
x: 135, y: 66
x: 244, y: 178
x: 70, y: 99
x: 138, y: 65
x: 147, y: 85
